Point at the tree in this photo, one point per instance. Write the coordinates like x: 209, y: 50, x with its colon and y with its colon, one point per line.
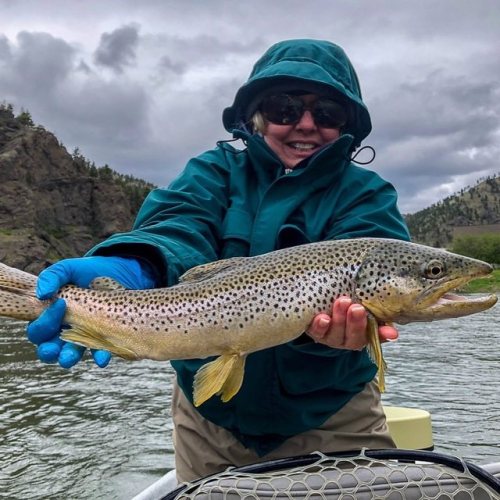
x: 24, y: 118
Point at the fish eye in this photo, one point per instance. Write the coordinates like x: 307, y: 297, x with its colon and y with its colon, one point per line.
x: 434, y: 269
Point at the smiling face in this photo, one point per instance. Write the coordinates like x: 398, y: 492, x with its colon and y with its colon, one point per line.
x: 295, y: 142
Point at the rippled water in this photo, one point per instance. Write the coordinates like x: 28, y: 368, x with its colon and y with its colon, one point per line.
x: 92, y: 433
x: 452, y: 369
x: 80, y: 433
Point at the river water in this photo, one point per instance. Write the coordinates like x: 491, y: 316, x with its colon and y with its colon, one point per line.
x: 92, y: 433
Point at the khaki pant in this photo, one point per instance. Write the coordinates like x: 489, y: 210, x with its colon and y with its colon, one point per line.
x: 203, y: 448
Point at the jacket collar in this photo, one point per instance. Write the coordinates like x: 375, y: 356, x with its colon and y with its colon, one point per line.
x: 327, y: 162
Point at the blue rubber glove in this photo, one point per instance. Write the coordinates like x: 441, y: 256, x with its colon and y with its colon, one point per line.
x: 44, y: 331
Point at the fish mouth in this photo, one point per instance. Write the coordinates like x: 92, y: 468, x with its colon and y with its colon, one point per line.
x: 438, y: 301
x: 443, y: 302
x: 454, y: 300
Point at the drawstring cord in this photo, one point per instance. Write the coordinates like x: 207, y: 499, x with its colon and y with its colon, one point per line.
x: 353, y: 158
x: 222, y: 144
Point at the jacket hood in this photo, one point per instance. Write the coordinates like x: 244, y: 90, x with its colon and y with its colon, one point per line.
x: 316, y: 66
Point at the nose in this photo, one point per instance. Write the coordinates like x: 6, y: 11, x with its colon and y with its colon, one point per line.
x: 306, y: 121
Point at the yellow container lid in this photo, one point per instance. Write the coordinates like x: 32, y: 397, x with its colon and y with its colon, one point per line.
x: 411, y: 428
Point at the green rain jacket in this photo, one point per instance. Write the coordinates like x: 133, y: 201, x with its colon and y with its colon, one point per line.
x: 229, y: 203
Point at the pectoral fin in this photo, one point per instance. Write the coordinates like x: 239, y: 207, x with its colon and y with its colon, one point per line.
x: 375, y: 350
x: 222, y: 376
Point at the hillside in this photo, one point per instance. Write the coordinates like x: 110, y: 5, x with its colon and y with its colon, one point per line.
x: 474, y: 210
x: 54, y: 204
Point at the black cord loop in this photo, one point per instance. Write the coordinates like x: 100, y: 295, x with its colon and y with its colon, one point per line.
x: 353, y: 157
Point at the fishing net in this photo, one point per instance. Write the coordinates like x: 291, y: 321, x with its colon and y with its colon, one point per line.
x: 388, y: 474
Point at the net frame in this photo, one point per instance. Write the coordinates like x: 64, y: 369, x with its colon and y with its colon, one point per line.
x: 366, y: 474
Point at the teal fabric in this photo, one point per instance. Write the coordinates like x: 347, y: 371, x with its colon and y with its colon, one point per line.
x: 229, y: 202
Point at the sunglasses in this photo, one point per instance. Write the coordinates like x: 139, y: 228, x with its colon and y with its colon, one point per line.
x: 285, y: 109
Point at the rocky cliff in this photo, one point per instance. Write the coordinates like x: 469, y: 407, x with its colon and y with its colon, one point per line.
x: 52, y: 204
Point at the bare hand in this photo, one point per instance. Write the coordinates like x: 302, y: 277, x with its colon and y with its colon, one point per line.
x: 346, y: 327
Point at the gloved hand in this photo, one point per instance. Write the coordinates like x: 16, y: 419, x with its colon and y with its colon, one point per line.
x: 44, y: 331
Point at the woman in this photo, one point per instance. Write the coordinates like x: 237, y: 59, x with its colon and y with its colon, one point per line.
x: 301, y: 117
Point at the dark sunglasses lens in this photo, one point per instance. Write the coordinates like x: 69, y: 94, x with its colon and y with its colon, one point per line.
x: 329, y: 113
x: 285, y: 109
x: 282, y: 109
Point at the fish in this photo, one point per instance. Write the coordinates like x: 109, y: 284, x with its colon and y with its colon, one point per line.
x: 233, y: 307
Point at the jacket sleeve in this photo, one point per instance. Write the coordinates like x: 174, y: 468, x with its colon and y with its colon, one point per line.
x: 366, y: 207
x: 178, y: 227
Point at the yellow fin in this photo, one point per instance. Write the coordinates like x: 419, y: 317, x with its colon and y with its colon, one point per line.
x: 222, y: 376
x: 233, y: 383
x: 95, y: 340
x: 206, y: 271
x: 375, y: 350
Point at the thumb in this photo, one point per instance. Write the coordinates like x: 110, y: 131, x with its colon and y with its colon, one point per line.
x: 50, y: 281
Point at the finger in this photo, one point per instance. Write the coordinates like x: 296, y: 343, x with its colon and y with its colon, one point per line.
x: 336, y: 334
x: 48, y: 324
x: 48, y: 352
x: 387, y: 333
x: 319, y: 326
x: 101, y: 358
x: 356, y: 336
x: 70, y: 355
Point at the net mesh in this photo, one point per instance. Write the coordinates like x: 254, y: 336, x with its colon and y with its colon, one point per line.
x: 348, y: 478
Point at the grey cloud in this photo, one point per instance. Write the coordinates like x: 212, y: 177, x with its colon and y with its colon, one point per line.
x: 190, y: 123
x: 180, y: 53
x: 423, y: 167
x: 5, y: 53
x: 439, y: 103
x: 39, y: 64
x: 84, y: 67
x: 166, y: 64
x: 118, y: 49
x: 107, y: 112
x: 436, y: 128
x: 213, y: 47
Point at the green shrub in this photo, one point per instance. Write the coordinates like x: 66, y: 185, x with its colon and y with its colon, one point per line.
x: 483, y: 247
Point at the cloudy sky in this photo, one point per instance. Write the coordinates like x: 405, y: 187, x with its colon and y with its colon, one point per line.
x: 140, y: 86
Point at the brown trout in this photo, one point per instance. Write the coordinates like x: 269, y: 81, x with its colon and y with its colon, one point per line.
x: 231, y: 308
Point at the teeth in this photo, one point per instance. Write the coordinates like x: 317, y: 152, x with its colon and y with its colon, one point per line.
x: 302, y: 145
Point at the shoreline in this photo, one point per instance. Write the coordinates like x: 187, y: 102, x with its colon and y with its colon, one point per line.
x: 490, y: 284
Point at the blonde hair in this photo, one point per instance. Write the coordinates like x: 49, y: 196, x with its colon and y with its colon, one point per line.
x: 258, y: 123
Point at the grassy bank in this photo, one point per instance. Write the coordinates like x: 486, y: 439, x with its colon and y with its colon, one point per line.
x: 484, y: 285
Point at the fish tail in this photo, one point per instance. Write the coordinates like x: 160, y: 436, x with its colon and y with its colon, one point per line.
x: 375, y: 350
x: 17, y: 294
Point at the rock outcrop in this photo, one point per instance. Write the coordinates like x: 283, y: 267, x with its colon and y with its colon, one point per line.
x: 53, y: 204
